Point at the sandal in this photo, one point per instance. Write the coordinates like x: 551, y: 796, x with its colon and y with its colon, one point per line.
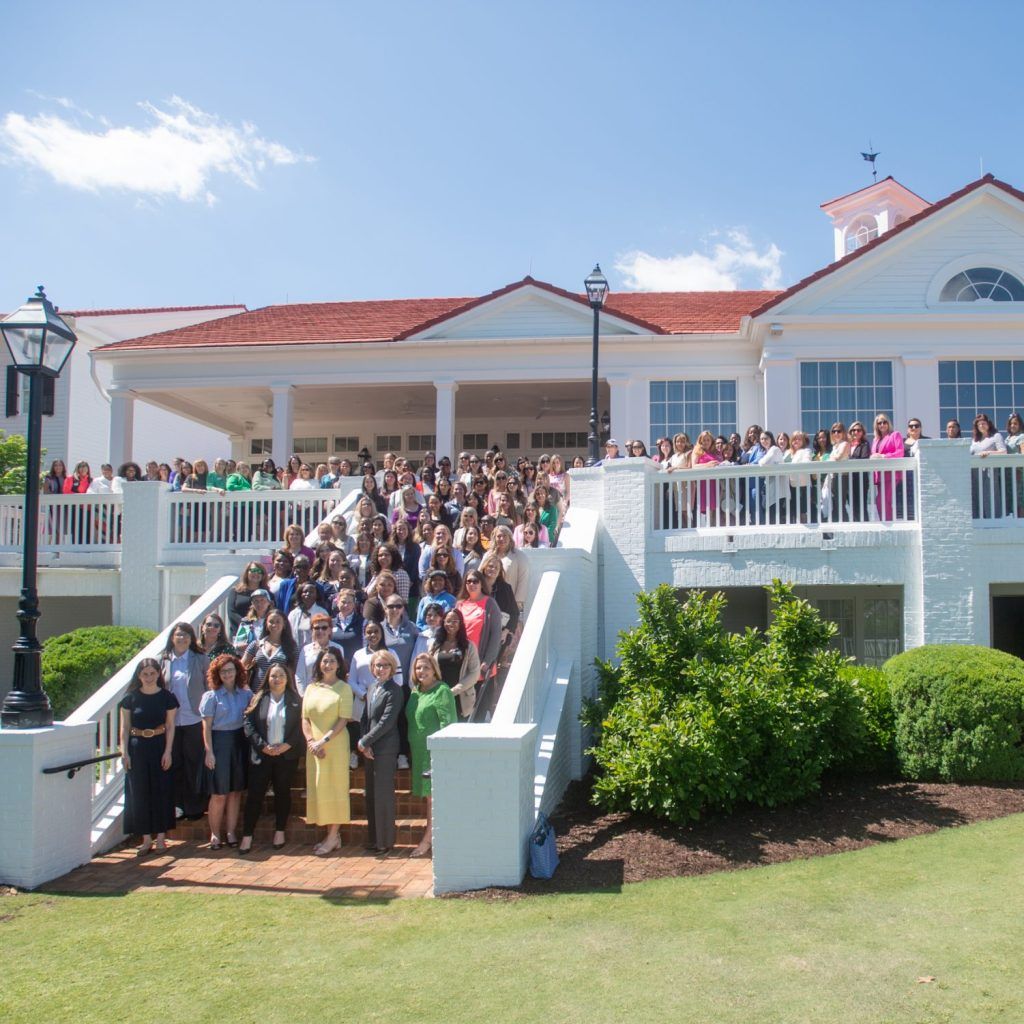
x: 322, y: 849
x: 161, y: 846
x: 214, y: 844
x: 232, y: 839
x: 145, y: 848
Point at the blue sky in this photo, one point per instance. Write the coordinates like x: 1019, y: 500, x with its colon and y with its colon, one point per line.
x: 410, y: 149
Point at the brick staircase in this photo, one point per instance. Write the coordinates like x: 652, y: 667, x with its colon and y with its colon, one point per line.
x: 411, y: 815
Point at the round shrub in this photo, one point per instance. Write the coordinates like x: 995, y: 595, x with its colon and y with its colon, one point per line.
x: 77, y: 664
x: 876, y: 752
x: 959, y: 713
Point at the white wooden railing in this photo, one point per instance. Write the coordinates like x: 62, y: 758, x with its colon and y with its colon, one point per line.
x: 102, y: 708
x: 997, y: 491
x: 212, y: 522
x: 67, y: 523
x: 812, y: 495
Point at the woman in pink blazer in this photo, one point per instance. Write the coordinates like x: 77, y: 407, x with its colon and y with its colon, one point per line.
x: 888, y: 444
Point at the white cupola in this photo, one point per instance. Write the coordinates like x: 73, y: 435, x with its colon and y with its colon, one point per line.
x: 861, y: 216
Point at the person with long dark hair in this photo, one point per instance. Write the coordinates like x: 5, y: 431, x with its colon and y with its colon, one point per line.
x: 183, y: 668
x: 276, y: 646
x: 253, y: 578
x: 458, y: 660
x: 147, y: 717
x: 213, y: 637
x: 273, y: 727
x: 223, y: 710
x: 326, y: 711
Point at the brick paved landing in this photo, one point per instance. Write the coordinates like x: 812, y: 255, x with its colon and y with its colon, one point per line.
x: 348, y: 873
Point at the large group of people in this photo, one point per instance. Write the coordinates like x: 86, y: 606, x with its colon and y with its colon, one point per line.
x: 400, y: 618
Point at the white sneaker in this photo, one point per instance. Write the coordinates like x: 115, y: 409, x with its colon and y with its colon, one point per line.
x: 353, y: 761
x: 403, y: 761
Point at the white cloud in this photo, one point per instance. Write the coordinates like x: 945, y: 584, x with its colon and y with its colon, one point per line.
x: 729, y: 266
x: 177, y: 154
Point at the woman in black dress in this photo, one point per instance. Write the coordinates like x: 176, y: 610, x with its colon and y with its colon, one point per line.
x: 253, y: 578
x: 148, y: 712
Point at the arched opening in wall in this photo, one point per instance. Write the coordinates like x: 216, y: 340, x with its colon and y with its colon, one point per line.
x: 983, y: 284
x: 862, y: 230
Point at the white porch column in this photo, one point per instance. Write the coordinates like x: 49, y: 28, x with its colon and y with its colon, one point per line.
x: 237, y: 442
x: 122, y: 422
x: 444, y: 424
x: 283, y: 432
x: 621, y: 422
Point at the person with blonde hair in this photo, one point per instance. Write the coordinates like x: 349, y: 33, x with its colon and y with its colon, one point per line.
x: 379, y: 745
x: 431, y: 707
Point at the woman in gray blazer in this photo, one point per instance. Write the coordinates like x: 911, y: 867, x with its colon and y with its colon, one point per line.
x: 379, y: 745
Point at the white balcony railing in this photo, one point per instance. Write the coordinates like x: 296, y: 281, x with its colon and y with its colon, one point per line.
x: 997, y: 491
x: 216, y: 522
x: 812, y: 495
x: 67, y: 523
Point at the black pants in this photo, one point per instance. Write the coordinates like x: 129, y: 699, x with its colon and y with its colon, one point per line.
x: 189, y: 755
x: 380, y: 800
x: 281, y: 772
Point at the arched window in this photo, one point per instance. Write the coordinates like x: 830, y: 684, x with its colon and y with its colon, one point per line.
x: 983, y: 283
x: 861, y: 231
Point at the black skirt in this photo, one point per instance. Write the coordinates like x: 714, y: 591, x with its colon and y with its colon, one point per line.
x: 230, y: 775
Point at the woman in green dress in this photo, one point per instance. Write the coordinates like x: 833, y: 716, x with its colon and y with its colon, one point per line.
x: 430, y: 708
x: 326, y: 711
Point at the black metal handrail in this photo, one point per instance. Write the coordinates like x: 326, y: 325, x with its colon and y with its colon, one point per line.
x: 76, y: 766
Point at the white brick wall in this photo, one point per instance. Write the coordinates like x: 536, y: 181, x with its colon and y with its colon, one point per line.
x: 45, y: 820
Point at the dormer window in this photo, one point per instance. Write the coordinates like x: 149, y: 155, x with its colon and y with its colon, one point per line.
x: 985, y: 284
x: 863, y: 230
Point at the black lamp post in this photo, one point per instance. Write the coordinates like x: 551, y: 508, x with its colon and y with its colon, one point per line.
x: 39, y: 342
x: 597, y: 288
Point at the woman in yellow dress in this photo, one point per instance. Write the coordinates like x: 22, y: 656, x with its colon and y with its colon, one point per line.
x: 326, y: 710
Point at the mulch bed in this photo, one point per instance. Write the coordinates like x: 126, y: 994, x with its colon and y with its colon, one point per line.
x: 604, y: 851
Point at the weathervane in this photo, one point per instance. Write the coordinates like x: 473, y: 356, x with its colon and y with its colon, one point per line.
x: 871, y: 158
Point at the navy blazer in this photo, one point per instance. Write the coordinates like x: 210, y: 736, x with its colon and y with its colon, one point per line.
x: 255, y: 727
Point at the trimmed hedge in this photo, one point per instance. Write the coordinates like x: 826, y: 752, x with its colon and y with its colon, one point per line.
x: 77, y: 664
x: 876, y: 754
x: 959, y: 713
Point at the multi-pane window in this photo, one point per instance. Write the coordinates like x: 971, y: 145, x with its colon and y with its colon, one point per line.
x: 346, y: 444
x: 863, y: 230
x: 844, y: 390
x: 310, y: 446
x: 985, y: 283
x: 870, y: 628
x: 883, y: 631
x: 970, y: 386
x: 512, y: 442
x: 422, y: 442
x: 690, y: 406
x: 553, y: 440
x: 841, y: 612
x: 389, y: 442
x: 261, y: 446
x: 474, y: 442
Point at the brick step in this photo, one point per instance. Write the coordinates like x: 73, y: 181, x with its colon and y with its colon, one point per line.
x: 409, y: 831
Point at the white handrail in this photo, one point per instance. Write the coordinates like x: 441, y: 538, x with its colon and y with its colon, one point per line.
x: 102, y: 706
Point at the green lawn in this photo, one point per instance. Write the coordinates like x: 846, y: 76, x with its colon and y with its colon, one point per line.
x: 841, y: 938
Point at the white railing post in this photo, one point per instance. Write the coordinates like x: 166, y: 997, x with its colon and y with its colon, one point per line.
x: 143, y: 542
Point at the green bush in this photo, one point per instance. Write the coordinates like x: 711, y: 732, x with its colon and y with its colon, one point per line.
x: 77, y: 664
x: 876, y: 753
x: 694, y: 718
x: 959, y: 713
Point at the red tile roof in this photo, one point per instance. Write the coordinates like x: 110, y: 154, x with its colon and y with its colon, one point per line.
x: 150, y: 309
x: 988, y: 179
x: 397, y: 319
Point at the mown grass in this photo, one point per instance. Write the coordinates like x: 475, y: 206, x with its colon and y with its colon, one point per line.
x: 841, y: 938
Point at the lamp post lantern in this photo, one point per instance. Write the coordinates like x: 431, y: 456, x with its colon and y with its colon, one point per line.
x: 597, y: 288
x: 39, y: 343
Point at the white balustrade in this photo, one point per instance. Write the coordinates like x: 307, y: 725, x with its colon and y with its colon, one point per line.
x: 67, y: 523
x: 814, y: 495
x: 997, y: 491
x: 212, y: 522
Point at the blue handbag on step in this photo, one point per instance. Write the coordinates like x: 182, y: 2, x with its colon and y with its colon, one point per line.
x: 543, y: 852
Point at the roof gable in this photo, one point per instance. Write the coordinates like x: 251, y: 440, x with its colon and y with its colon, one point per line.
x: 820, y: 288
